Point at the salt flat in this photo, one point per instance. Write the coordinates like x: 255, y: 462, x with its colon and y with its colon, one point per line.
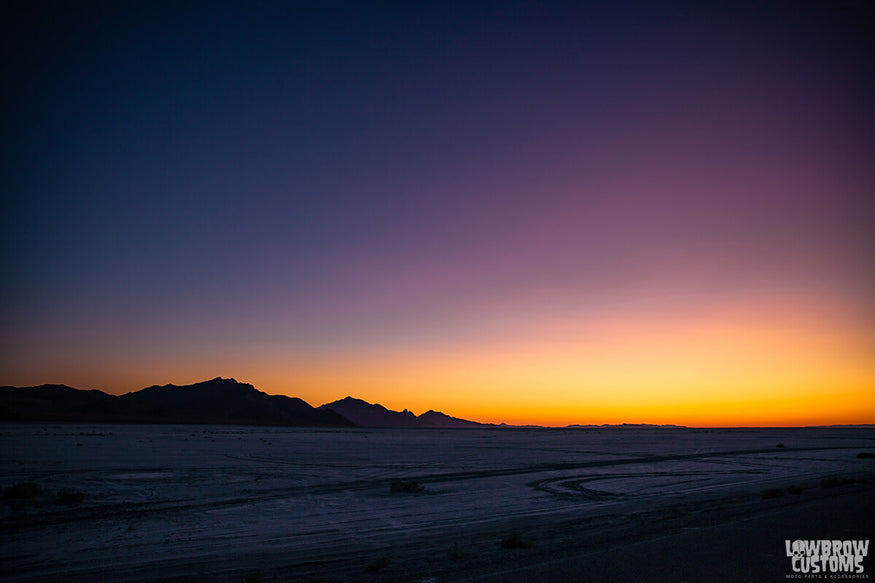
x: 217, y: 502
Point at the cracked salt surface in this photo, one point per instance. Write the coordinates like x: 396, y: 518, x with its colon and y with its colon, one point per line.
x: 168, y: 499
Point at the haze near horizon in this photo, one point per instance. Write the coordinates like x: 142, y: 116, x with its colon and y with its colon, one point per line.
x: 547, y: 214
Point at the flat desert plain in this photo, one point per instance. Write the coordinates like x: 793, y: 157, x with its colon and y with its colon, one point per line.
x: 228, y: 503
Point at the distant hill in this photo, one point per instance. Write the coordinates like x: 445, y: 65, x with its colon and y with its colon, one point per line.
x: 365, y: 414
x: 219, y: 401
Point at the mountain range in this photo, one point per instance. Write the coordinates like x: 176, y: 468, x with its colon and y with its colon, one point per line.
x: 365, y: 414
x: 218, y: 401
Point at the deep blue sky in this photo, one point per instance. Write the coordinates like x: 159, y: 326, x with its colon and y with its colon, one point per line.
x: 203, y: 182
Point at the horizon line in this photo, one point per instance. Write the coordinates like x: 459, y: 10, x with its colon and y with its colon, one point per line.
x: 484, y: 424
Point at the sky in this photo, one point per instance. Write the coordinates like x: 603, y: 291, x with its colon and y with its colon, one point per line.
x: 521, y: 212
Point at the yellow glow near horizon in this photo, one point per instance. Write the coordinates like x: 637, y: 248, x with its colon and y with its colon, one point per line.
x: 724, y: 370
x: 755, y: 365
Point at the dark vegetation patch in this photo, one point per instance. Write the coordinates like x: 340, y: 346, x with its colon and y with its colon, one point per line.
x: 773, y: 493
x: 256, y: 577
x: 780, y: 445
x: 23, y: 490
x: 31, y: 492
x: 866, y: 455
x: 515, y: 541
x: 834, y: 481
x: 69, y: 496
x: 456, y: 552
x: 377, y: 564
x: 407, y: 487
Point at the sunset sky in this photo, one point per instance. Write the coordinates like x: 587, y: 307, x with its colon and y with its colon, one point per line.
x: 507, y: 211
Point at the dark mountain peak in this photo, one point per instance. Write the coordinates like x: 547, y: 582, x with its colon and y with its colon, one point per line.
x: 43, y: 388
x: 54, y: 390
x: 215, y: 383
x: 52, y: 386
x: 217, y: 401
x: 53, y: 403
x: 365, y: 414
x: 432, y: 418
x: 351, y: 401
x: 353, y: 404
x: 220, y: 382
x: 213, y: 386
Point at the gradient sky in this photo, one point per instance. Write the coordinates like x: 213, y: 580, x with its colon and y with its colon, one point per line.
x: 507, y: 211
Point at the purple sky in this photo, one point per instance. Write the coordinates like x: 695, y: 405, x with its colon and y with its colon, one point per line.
x: 203, y: 183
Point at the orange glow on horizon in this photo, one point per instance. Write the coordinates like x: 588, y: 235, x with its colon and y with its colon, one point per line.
x: 772, y: 365
x: 727, y: 370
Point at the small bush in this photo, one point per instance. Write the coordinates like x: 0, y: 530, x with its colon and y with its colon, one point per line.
x: 515, y: 541
x: 23, y: 490
x: 794, y: 489
x: 780, y: 445
x: 69, y: 496
x: 866, y: 455
x: 773, y: 493
x: 406, y: 487
x: 377, y: 565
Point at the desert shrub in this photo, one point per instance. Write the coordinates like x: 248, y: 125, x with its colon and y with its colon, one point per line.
x: 410, y: 487
x: 773, y: 493
x: 866, y: 455
x: 515, y: 541
x: 794, y: 489
x: 69, y: 496
x: 377, y: 565
x: 23, y: 490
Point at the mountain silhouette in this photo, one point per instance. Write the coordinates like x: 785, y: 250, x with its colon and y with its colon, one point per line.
x: 437, y: 419
x: 365, y: 414
x: 55, y: 403
x: 218, y: 401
